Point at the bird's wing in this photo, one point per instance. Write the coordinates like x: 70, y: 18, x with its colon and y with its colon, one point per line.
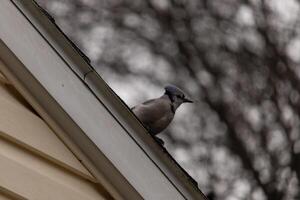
x: 149, y: 102
x: 145, y: 103
x: 151, y: 110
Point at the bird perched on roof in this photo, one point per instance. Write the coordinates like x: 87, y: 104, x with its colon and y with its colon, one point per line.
x: 157, y: 114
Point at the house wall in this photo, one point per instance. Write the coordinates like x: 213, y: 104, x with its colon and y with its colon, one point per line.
x: 35, y: 164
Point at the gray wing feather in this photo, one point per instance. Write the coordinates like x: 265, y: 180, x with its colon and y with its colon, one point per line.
x: 150, y: 111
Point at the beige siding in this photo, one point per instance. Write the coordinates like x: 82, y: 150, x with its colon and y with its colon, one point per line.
x: 17, y: 123
x: 7, y: 194
x: 7, y: 197
x: 35, y: 164
x: 30, y: 184
x: 2, y: 197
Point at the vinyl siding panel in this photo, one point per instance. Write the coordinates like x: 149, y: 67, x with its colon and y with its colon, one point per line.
x: 5, y: 197
x: 2, y: 197
x: 29, y: 184
x: 35, y: 164
x: 7, y: 194
x: 19, y: 124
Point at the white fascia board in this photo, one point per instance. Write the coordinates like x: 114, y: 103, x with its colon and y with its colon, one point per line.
x: 97, y: 113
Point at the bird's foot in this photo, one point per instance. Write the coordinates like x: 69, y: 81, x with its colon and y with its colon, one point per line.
x: 160, y: 141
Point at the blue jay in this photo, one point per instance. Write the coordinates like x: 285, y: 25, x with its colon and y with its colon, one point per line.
x: 157, y: 114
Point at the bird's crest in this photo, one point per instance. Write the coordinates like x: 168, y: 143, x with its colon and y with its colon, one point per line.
x: 173, y: 90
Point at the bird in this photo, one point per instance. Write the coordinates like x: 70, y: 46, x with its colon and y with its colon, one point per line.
x: 157, y: 114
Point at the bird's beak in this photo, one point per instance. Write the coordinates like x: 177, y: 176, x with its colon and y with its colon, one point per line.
x: 186, y: 100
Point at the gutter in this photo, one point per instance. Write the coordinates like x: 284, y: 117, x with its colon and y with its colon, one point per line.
x: 118, y: 109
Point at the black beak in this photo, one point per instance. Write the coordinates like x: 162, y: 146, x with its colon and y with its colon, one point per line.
x: 186, y: 100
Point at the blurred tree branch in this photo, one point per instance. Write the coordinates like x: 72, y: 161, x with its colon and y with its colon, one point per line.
x: 233, y: 56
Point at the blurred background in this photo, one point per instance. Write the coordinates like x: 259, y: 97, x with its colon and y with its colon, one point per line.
x: 239, y: 58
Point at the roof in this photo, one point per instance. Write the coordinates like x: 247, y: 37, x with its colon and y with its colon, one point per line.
x: 59, y: 82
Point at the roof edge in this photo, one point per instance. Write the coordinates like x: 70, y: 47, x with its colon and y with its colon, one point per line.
x: 80, y: 66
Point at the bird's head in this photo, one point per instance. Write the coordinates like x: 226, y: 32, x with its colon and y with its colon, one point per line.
x: 176, y: 96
